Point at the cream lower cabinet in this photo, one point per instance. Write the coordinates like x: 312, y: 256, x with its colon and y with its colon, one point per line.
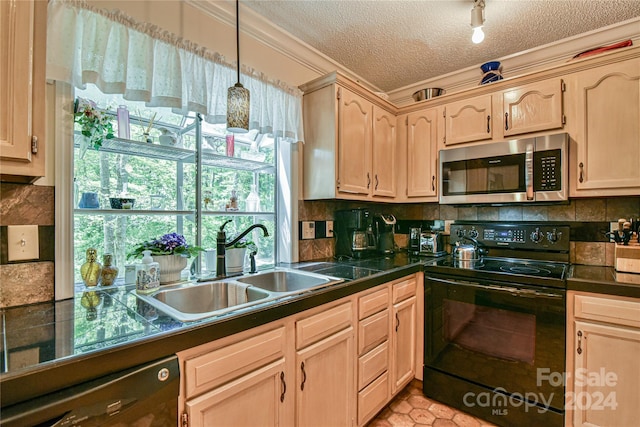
x: 387, y: 324
x: 603, y: 342
x: 403, y: 336
x: 606, y: 155
x: 333, y: 365
x: 23, y: 27
x: 325, y: 368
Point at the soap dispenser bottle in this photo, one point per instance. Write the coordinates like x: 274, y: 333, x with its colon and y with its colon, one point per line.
x: 147, y: 274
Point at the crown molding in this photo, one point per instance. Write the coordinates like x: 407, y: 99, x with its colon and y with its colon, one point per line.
x: 518, y: 64
x: 274, y: 37
x: 525, y: 62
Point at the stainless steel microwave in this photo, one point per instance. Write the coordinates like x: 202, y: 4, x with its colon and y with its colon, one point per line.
x: 521, y: 170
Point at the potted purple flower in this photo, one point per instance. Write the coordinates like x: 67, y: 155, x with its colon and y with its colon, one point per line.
x: 171, y: 252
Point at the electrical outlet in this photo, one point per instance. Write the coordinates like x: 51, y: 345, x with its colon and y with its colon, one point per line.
x: 308, y: 230
x: 22, y: 242
x: 329, y: 229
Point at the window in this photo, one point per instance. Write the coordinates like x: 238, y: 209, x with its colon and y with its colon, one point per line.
x: 184, y: 187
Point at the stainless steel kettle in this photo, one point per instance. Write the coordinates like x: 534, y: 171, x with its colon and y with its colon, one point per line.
x: 468, y: 255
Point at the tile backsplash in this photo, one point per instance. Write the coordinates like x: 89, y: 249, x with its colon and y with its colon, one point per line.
x: 33, y: 281
x: 589, y: 219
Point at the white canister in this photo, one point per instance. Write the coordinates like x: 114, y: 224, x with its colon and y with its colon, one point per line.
x: 210, y: 260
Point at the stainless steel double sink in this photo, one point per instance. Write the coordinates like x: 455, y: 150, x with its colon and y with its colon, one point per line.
x: 193, y: 301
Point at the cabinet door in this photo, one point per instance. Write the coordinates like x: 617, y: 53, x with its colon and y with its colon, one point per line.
x: 354, y: 143
x: 384, y: 153
x: 422, y: 133
x: 257, y: 399
x: 533, y: 107
x: 325, y: 382
x: 607, y: 375
x: 403, y: 343
x: 608, y: 131
x: 469, y: 120
x: 22, y: 87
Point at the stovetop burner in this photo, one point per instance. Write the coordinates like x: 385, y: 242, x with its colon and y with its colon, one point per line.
x: 523, y: 269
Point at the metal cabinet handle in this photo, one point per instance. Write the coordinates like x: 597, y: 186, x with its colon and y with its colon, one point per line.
x: 488, y: 124
x: 579, y: 350
x: 397, y: 322
x: 304, y: 376
x: 506, y: 121
x: 581, y: 166
x: 368, y: 180
x: 376, y: 181
x: 284, y: 386
x: 433, y: 182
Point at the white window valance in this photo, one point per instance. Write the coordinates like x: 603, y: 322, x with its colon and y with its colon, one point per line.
x: 145, y: 63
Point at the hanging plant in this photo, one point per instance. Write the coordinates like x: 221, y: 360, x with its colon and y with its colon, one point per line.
x: 94, y: 124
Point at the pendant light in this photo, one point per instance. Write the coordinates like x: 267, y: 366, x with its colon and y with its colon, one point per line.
x: 477, y: 20
x: 238, y: 95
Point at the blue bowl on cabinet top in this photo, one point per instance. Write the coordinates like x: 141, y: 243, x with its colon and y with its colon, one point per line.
x: 490, y: 78
x: 490, y: 66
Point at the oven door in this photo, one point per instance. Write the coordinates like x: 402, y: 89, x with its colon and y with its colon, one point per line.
x: 507, y: 338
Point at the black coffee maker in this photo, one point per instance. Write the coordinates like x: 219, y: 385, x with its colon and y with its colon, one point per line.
x: 355, y: 237
x: 385, y: 225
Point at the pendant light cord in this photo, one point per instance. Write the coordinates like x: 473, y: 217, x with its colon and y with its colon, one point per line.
x: 238, y: 37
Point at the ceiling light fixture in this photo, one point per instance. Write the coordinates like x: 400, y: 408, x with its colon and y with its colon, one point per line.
x: 238, y: 95
x: 477, y: 20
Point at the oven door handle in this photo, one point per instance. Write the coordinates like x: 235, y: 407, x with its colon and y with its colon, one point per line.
x: 525, y: 293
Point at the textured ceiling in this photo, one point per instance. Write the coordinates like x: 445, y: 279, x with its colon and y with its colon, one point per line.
x: 393, y: 44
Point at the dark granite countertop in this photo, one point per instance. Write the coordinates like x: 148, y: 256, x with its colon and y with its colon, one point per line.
x: 602, y: 280
x: 49, y: 346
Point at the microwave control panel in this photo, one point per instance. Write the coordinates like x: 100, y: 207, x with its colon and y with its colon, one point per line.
x: 547, y: 170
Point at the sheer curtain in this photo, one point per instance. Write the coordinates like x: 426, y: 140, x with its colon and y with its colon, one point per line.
x: 145, y: 63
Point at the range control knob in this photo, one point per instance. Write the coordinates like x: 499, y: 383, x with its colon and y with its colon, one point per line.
x: 554, y: 235
x: 473, y: 233
x: 460, y: 232
x: 537, y: 236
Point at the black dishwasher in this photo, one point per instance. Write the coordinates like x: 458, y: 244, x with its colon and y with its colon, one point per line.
x: 146, y: 395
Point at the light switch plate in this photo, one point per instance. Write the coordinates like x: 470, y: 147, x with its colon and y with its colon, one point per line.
x: 329, y: 232
x: 22, y: 242
x: 308, y: 230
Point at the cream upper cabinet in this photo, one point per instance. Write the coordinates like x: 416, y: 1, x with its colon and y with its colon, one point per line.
x: 469, y: 120
x: 350, y: 142
x: 354, y: 143
x: 22, y: 89
x: 384, y: 153
x: 606, y: 153
x: 533, y: 107
x: 603, y: 343
x: 422, y: 152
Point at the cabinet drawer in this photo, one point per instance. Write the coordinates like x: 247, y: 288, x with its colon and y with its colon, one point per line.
x: 319, y: 326
x: 373, y: 303
x: 372, y: 364
x: 373, y: 398
x: 210, y: 370
x: 610, y: 310
x: 404, y: 289
x: 372, y: 331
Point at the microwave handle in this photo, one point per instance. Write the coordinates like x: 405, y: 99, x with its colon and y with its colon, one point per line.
x: 528, y: 174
